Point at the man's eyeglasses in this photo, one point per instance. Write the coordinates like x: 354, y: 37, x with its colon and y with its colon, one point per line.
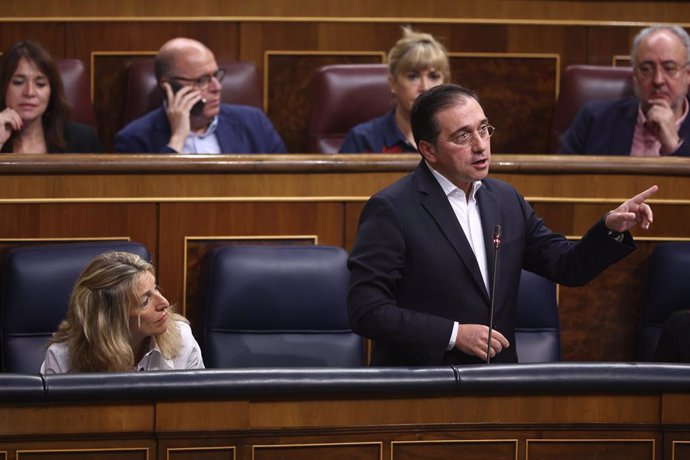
x: 669, y: 69
x: 465, y: 138
x: 204, y: 80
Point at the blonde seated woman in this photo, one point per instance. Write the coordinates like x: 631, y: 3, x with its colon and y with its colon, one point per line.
x: 119, y: 321
x: 417, y: 62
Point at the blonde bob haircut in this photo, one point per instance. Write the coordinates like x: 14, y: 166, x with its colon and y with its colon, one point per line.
x: 418, y: 51
x: 96, y: 329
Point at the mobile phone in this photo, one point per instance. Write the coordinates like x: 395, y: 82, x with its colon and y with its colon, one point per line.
x: 197, y: 108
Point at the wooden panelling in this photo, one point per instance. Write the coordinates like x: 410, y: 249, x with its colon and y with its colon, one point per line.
x: 56, y: 420
x: 180, y: 416
x: 471, y: 449
x: 376, y: 426
x: 85, y: 454
x: 681, y: 449
x: 201, y: 453
x: 333, y: 451
x: 609, y: 10
x: 575, y: 449
x: 136, y: 221
x: 614, y: 297
x: 674, y: 408
x: 49, y: 35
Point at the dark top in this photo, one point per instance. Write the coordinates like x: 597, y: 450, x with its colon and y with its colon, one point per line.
x: 607, y: 128
x: 674, y: 342
x: 241, y: 129
x: 413, y: 271
x: 79, y: 138
x: 380, y: 135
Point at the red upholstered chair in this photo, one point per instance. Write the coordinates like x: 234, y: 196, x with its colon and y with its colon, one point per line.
x: 241, y: 85
x: 584, y: 83
x: 342, y: 96
x: 75, y: 79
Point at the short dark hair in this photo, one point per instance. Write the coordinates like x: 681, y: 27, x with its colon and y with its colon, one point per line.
x: 429, y: 103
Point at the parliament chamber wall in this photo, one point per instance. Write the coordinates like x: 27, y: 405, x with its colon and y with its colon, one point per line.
x: 513, y: 52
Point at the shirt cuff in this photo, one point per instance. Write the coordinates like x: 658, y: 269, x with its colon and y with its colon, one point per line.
x: 453, y: 336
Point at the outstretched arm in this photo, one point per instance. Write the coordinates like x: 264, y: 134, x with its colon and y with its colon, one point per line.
x: 632, y: 212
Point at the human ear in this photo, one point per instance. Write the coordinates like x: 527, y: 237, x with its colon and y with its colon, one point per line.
x: 427, y: 150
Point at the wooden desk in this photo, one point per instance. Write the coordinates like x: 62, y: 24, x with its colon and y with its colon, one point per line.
x: 266, y: 414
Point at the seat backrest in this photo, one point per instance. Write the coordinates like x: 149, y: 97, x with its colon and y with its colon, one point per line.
x: 241, y: 85
x: 75, y: 80
x: 37, y: 282
x: 277, y: 306
x: 342, y: 96
x: 585, y: 83
x: 537, y: 325
x: 666, y: 291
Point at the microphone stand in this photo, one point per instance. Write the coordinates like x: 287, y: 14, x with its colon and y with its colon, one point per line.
x: 497, y: 243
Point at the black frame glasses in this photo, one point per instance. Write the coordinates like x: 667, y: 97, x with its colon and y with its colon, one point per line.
x: 203, y: 80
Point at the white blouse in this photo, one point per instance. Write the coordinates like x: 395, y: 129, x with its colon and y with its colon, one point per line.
x: 57, y: 360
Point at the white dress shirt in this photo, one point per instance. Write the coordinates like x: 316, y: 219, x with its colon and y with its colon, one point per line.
x: 467, y: 213
x: 206, y: 142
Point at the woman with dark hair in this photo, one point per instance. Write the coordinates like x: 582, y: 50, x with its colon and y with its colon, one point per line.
x: 34, y: 113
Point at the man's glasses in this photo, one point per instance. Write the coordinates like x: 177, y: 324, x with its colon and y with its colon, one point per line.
x: 669, y: 69
x: 465, y: 138
x: 204, y: 80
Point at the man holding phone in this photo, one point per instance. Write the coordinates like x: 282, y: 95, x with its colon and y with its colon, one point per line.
x: 192, y: 118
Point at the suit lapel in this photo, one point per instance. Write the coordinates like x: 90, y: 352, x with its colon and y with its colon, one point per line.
x: 226, y: 132
x: 434, y: 200
x: 489, y: 211
x: 624, y: 128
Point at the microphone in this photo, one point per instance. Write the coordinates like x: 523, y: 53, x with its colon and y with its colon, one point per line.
x: 497, y: 243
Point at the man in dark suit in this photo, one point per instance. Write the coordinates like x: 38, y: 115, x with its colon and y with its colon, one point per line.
x: 193, y: 119
x: 652, y: 123
x: 420, y: 266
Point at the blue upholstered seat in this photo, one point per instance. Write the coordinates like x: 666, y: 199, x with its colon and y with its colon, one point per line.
x: 666, y: 291
x: 37, y: 282
x: 283, y: 306
x: 537, y: 326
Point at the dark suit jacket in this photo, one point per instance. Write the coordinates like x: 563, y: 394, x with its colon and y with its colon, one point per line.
x: 674, y: 342
x: 413, y: 271
x: 241, y: 129
x: 81, y: 138
x: 607, y: 128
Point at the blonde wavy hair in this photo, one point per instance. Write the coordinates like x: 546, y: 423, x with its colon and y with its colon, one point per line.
x: 417, y: 51
x: 96, y: 329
